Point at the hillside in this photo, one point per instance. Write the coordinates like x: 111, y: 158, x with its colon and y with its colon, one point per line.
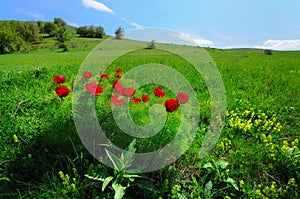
x: 256, y: 156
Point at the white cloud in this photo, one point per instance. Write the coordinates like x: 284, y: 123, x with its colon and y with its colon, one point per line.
x: 138, y: 26
x: 203, y: 42
x: 281, y: 44
x: 97, y: 6
x: 198, y: 41
x: 29, y: 13
x: 235, y: 47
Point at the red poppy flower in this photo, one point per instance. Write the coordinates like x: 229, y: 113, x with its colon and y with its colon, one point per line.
x: 87, y: 74
x: 182, y: 97
x: 104, y: 75
x: 119, y: 70
x: 116, y: 82
x: 93, y: 88
x: 118, y: 87
x: 128, y: 91
x: 159, y: 92
x: 62, y: 91
x: 171, y: 105
x: 59, y: 79
x: 115, y: 101
x: 145, y: 98
x: 136, y: 100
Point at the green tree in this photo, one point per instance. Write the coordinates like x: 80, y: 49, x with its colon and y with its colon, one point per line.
x: 82, y: 31
x: 100, y: 32
x: 91, y: 31
x: 9, y: 39
x: 119, y: 33
x: 33, y: 32
x: 14, y: 34
x: 50, y: 28
x: 41, y: 25
x: 59, y: 22
x: 63, y: 35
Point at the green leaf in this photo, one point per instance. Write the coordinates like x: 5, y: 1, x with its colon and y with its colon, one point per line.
x: 119, y: 190
x: 4, y: 179
x: 290, y: 151
x: 128, y: 158
x: 207, y: 165
x: 114, y: 159
x: 132, y: 176
x: 106, y: 182
x: 180, y: 196
x: 222, y: 163
x: 129, y: 155
x: 131, y: 148
x: 207, y: 190
x: 122, y: 159
x: 232, y: 182
x: 148, y: 185
x: 98, y: 177
x: 133, y: 171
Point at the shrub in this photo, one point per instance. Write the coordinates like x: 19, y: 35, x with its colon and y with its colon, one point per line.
x: 119, y: 33
x: 151, y: 45
x: 268, y: 52
x: 64, y: 46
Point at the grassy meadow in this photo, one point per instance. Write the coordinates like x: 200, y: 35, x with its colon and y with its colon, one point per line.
x: 256, y: 156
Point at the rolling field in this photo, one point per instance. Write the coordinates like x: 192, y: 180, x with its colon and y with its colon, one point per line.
x: 256, y: 156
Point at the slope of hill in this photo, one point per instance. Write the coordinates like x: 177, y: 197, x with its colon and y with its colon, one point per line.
x: 256, y: 156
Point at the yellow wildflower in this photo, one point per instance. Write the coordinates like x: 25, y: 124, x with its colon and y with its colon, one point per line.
x: 242, y: 182
x: 73, y: 186
x: 292, y: 181
x: 15, y: 138
x: 285, y: 148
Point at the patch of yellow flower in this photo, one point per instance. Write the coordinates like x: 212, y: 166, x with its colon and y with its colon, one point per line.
x: 66, y: 180
x: 248, y: 120
x: 286, y: 147
x: 270, y: 147
x: 224, y: 145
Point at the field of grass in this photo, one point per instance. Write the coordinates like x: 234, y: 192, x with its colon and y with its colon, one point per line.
x: 48, y: 56
x: 256, y: 156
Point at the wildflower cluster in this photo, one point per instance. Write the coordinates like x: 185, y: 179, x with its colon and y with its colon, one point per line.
x: 67, y: 183
x: 249, y: 121
x: 273, y: 190
x: 289, y: 155
x: 224, y: 146
x: 286, y: 147
x: 291, y: 186
x: 270, y: 147
x: 261, y: 191
x: 121, y: 92
x: 61, y: 90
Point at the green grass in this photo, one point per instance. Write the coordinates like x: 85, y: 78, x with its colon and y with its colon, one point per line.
x: 42, y: 156
x: 265, y: 80
x: 48, y: 56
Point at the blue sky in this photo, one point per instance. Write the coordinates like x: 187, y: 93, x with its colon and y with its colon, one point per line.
x: 215, y: 23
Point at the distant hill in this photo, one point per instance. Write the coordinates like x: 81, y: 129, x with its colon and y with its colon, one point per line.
x: 15, y: 35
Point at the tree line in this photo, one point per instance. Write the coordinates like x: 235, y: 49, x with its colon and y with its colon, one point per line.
x: 15, y: 34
